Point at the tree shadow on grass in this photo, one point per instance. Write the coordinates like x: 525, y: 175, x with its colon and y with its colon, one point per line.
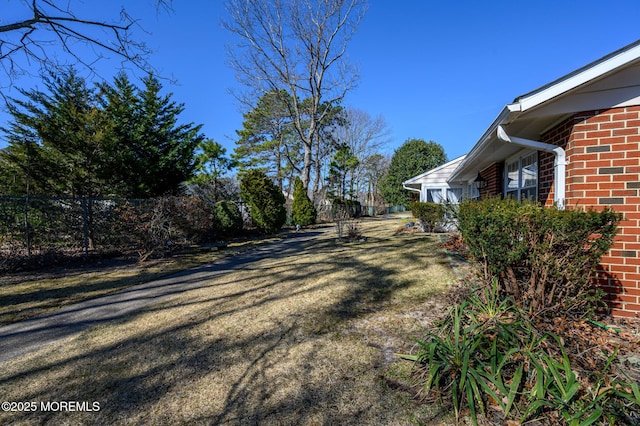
x: 232, y: 352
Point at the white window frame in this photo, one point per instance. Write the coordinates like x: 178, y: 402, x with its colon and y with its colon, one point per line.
x: 518, y: 163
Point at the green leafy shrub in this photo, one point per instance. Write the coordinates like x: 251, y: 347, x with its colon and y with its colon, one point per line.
x: 429, y: 214
x: 227, y: 217
x: 303, y: 211
x: 265, y: 201
x: 543, y: 258
x: 488, y: 352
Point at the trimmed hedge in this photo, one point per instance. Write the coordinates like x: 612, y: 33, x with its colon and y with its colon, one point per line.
x: 429, y: 214
x: 302, y: 210
x: 544, y: 259
x: 265, y: 201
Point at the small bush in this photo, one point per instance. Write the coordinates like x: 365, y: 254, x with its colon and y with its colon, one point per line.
x: 302, y: 210
x: 265, y: 201
x: 544, y: 259
x: 429, y: 214
x: 227, y: 217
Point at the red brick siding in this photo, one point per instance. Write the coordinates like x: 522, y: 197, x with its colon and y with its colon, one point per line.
x: 603, y: 170
x: 493, y: 176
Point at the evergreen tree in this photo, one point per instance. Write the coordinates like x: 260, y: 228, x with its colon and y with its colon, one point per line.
x: 414, y: 157
x: 265, y: 201
x: 341, y: 169
x: 72, y: 140
x: 163, y: 157
x: 268, y: 141
x: 303, y: 211
x: 211, y: 164
x: 60, y: 140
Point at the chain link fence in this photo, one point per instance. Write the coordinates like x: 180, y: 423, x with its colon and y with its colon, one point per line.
x: 38, y: 227
x: 43, y: 229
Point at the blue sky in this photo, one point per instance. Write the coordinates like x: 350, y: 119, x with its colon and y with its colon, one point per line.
x: 439, y: 71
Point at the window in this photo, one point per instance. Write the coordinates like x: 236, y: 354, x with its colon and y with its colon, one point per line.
x: 472, y: 191
x: 454, y: 195
x: 521, y: 177
x: 434, y: 195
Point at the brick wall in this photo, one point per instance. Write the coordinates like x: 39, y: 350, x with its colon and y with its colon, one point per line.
x: 493, y: 177
x: 603, y: 153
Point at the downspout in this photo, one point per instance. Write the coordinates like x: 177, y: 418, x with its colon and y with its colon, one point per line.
x: 419, y: 191
x: 559, y: 162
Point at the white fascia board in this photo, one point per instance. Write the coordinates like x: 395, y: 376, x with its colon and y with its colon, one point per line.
x: 588, y: 74
x: 482, y: 143
x: 434, y: 170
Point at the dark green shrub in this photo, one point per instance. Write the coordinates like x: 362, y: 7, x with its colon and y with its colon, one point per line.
x: 544, y: 259
x: 227, y: 217
x: 303, y: 211
x: 265, y: 201
x: 429, y: 214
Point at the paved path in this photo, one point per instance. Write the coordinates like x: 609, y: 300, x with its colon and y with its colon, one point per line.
x: 27, y: 336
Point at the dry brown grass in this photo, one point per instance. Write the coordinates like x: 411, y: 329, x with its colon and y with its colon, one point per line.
x: 28, y: 295
x: 306, y: 337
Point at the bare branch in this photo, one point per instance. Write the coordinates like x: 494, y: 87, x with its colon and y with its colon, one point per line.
x: 54, y: 23
x: 298, y: 46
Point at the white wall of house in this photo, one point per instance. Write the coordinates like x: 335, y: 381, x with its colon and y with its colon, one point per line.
x: 433, y: 185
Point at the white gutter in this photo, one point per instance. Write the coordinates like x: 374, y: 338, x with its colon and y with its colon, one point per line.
x: 419, y: 191
x: 559, y: 162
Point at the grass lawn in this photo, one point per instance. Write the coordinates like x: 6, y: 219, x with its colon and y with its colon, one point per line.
x: 301, y: 338
x: 29, y: 295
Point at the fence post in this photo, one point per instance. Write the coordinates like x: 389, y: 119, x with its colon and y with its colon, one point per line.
x: 85, y: 226
x: 26, y: 225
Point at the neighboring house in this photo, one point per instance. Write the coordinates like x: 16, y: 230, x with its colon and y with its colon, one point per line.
x: 434, y: 186
x: 573, y: 143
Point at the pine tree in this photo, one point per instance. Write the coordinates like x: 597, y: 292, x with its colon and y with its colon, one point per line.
x: 164, y: 155
x: 61, y: 140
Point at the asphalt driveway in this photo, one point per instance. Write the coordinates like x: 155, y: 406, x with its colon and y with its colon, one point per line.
x: 27, y: 336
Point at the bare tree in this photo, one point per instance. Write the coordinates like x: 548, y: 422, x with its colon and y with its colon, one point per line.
x: 298, y: 46
x: 366, y: 137
x: 42, y: 26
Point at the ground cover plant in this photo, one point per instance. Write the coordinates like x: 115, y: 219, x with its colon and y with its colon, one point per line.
x: 490, y: 361
x: 307, y: 336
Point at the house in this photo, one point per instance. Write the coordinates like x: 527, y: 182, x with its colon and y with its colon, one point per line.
x: 434, y: 185
x: 573, y: 143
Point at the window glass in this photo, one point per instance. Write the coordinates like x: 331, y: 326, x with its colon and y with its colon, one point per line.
x: 474, y: 192
x: 434, y: 195
x: 530, y: 170
x: 454, y: 195
x: 512, y: 175
x: 521, y: 177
